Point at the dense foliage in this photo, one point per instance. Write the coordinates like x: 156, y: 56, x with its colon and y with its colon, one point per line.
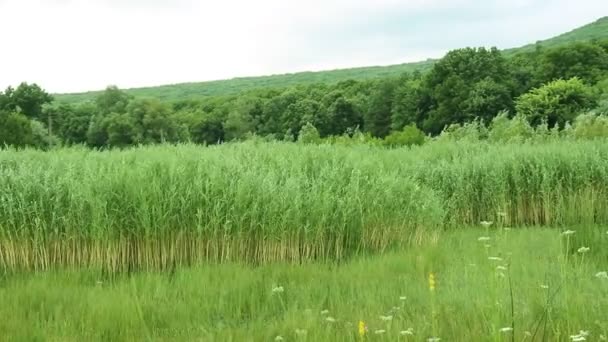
x: 548, y: 87
x: 551, y: 86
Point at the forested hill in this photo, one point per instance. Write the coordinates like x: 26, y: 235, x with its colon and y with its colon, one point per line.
x: 184, y: 91
x: 595, y: 30
x: 592, y: 31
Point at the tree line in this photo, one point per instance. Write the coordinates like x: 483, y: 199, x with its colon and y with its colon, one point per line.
x: 548, y: 86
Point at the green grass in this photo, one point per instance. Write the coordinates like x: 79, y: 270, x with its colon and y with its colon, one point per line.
x: 188, y: 243
x: 184, y: 91
x: 232, y: 302
x: 161, y: 207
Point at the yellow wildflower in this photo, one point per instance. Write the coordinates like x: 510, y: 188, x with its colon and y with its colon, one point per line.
x: 431, y: 281
x: 362, y: 328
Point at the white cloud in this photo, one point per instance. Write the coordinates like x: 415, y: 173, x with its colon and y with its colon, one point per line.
x: 77, y: 45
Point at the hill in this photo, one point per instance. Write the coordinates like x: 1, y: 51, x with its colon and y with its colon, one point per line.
x: 592, y: 31
x: 595, y: 30
x: 236, y: 85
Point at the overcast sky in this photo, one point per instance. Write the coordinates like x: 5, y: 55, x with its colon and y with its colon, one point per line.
x: 78, y: 45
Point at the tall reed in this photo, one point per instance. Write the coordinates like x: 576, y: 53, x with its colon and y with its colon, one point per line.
x: 166, y: 206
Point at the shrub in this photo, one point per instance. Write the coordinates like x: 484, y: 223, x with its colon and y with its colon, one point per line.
x: 410, y: 135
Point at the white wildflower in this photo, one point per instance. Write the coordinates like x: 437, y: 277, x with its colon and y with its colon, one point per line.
x: 324, y: 312
x: 495, y: 258
x: 279, y: 338
x: 486, y: 223
x: 583, y: 250
x: 581, y: 336
x: 330, y: 319
x: 568, y: 232
x: 402, y: 298
x: 409, y: 331
x: 379, y: 332
x: 501, y: 268
x: 483, y: 238
x: 301, y: 332
x: 506, y: 329
x: 386, y: 318
x: 602, y: 275
x: 433, y: 339
x: 278, y: 289
x: 543, y: 286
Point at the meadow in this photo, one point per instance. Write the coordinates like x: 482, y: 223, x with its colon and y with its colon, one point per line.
x: 497, y: 284
x: 259, y: 241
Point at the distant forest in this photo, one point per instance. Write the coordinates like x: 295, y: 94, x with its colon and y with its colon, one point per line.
x: 546, y: 86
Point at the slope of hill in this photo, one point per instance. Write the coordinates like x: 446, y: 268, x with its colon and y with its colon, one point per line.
x: 236, y: 85
x: 595, y: 30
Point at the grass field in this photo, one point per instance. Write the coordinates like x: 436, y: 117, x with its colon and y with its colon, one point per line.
x: 557, y: 292
x: 280, y: 241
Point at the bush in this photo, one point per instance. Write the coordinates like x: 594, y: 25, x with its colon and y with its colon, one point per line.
x: 556, y: 102
x: 590, y: 126
x: 409, y: 136
x: 41, y: 137
x: 516, y: 129
x: 309, y: 134
x: 470, y: 131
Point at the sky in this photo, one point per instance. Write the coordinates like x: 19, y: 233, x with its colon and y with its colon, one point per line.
x: 80, y: 45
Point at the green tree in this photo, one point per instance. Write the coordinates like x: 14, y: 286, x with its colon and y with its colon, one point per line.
x: 97, y: 136
x: 15, y: 129
x: 342, y: 115
x: 462, y: 86
x: 276, y: 118
x: 406, y: 104
x: 112, y: 100
x: 27, y: 99
x: 587, y: 61
x: 243, y: 118
x: 556, y: 103
x: 122, y: 130
x: 206, y: 128
x: 75, y: 123
x: 377, y: 116
x: 486, y: 98
x: 152, y: 119
x: 311, y: 111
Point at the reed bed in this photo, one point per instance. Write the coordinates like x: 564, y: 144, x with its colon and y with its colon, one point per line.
x: 166, y: 206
